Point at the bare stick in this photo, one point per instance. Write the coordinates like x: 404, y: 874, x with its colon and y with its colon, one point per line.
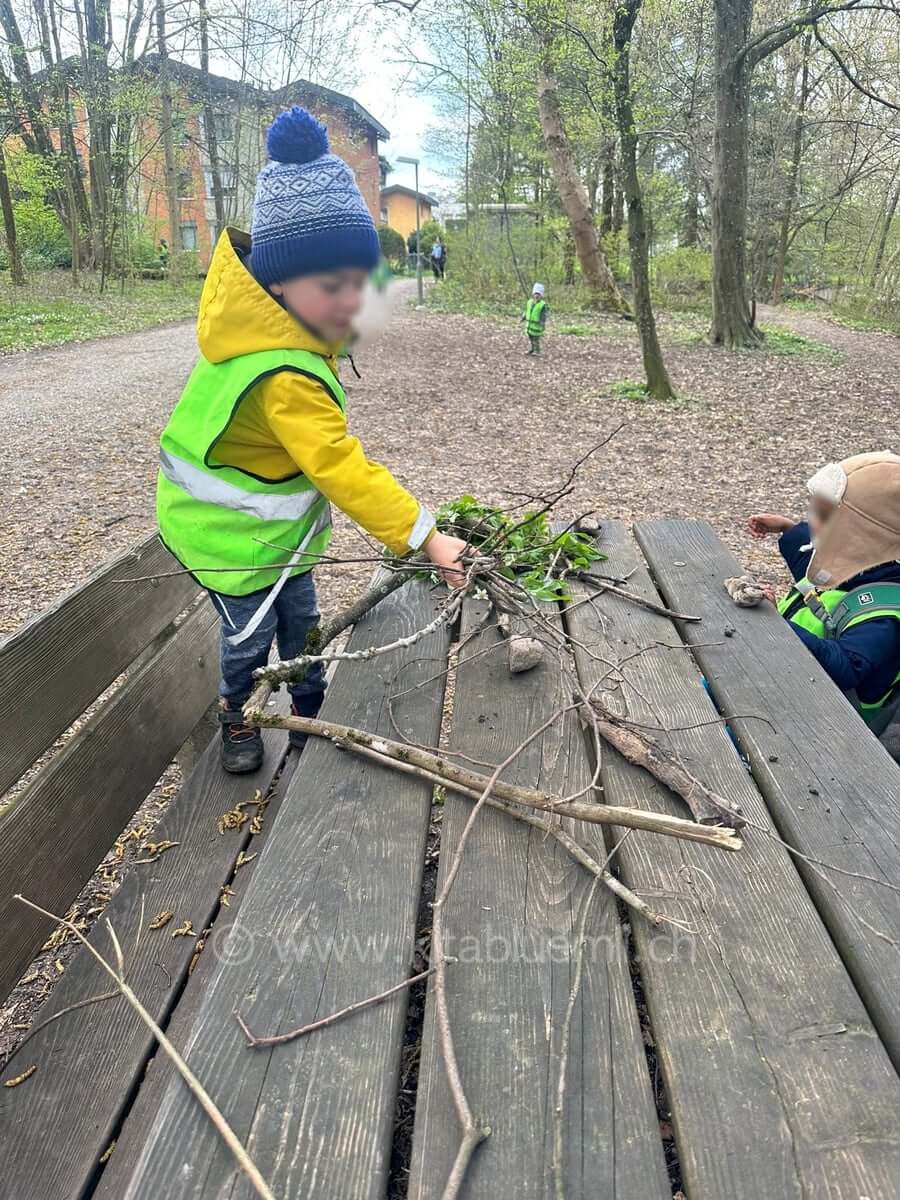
x: 553, y: 828
x: 451, y: 773
x: 603, y: 585
x: 474, y: 1132
x: 49, y: 1021
x: 560, y: 1106
x: 294, y: 669
x: 322, y: 635
x: 278, y: 1039
x: 230, y: 1138
x: 708, y: 807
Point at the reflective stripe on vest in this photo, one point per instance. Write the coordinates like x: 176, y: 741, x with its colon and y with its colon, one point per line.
x: 234, y: 530
x: 321, y: 523
x: 267, y: 506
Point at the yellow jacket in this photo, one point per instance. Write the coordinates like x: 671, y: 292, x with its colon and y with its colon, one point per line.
x: 288, y: 421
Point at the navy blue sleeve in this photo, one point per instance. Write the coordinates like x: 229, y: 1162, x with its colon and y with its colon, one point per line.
x: 790, y: 544
x: 858, y: 652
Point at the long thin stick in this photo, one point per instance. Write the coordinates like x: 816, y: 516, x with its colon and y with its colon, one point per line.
x: 321, y: 636
x: 474, y: 1132
x: 230, y: 1138
x: 555, y: 830
x: 450, y: 774
x: 602, y: 585
x: 278, y: 1039
x: 560, y: 1106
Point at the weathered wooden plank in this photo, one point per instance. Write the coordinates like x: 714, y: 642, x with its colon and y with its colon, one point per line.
x: 59, y: 663
x: 160, y: 1072
x: 512, y: 920
x: 832, y: 790
x: 54, y: 1130
x: 57, y: 831
x: 328, y: 918
x: 762, y: 1037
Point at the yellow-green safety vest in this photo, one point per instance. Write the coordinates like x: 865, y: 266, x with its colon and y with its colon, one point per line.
x: 533, y: 310
x: 236, y: 532
x: 828, y: 614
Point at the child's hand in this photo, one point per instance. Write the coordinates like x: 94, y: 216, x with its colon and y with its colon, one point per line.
x: 760, y: 525
x: 444, y: 552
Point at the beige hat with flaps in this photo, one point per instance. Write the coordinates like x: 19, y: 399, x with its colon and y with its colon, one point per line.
x: 864, y: 530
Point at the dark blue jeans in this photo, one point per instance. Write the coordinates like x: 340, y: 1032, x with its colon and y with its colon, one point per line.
x: 289, y: 619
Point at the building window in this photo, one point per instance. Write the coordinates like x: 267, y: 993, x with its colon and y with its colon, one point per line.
x: 227, y: 178
x: 189, y: 235
x: 224, y: 123
x: 185, y: 185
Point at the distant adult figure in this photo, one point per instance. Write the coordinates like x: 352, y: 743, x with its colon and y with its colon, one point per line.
x: 438, y: 258
x: 164, y: 254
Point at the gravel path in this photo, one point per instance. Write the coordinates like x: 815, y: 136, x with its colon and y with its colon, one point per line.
x: 452, y: 404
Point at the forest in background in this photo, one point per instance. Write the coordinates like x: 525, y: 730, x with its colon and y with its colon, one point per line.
x: 713, y: 154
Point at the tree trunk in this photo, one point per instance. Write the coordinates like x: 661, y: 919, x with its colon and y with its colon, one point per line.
x: 885, y: 231
x: 209, y: 122
x: 573, y: 194
x: 9, y: 226
x: 609, y: 188
x: 35, y: 132
x: 784, y: 233
x: 690, y: 221
x: 732, y: 323
x: 658, y: 383
x: 165, y: 130
x: 568, y: 257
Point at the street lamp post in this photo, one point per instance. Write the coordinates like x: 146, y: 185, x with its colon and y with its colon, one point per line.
x: 415, y: 163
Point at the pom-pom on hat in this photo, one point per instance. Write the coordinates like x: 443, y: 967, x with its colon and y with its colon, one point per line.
x: 308, y: 215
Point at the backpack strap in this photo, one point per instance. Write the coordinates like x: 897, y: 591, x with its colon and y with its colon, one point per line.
x: 865, y: 604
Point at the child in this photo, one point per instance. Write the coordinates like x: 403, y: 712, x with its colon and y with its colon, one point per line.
x: 535, y: 318
x: 845, y: 603
x: 258, y: 444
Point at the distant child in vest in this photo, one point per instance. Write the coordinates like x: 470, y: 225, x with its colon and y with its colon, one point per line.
x: 535, y: 318
x: 258, y: 445
x: 845, y: 603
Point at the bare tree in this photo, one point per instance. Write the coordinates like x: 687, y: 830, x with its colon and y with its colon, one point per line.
x: 658, y: 383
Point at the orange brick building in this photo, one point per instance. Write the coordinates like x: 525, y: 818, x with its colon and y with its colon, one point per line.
x: 242, y: 114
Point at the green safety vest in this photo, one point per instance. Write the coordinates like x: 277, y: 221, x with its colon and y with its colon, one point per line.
x: 533, y: 310
x: 235, y: 532
x: 828, y: 614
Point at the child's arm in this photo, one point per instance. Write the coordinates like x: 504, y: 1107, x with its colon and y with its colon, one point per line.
x: 313, y: 430
x: 760, y: 525
x: 850, y: 658
x: 794, y: 547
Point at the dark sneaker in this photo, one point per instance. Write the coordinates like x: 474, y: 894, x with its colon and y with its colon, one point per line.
x: 304, y: 706
x: 242, y: 744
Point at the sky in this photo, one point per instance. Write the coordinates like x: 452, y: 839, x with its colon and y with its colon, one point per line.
x: 390, y: 96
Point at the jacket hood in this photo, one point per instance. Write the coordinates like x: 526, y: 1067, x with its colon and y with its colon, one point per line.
x: 864, y: 530
x: 238, y: 316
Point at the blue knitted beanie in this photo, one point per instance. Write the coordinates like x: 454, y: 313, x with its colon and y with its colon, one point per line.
x: 308, y: 214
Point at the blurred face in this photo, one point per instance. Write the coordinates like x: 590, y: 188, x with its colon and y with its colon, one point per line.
x: 819, y: 512
x: 536, y: 296
x: 327, y: 302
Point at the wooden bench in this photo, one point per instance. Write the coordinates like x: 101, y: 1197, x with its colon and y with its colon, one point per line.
x: 766, y: 1006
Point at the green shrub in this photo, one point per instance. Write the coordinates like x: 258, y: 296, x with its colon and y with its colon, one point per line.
x: 682, y: 278
x: 393, y: 248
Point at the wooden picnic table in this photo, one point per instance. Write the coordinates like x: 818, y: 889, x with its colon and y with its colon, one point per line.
x: 768, y: 1010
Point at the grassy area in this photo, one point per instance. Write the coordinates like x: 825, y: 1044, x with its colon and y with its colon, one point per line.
x: 850, y: 316
x: 52, y: 309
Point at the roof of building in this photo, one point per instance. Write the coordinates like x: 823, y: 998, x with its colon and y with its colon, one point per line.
x: 397, y: 189
x: 300, y: 89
